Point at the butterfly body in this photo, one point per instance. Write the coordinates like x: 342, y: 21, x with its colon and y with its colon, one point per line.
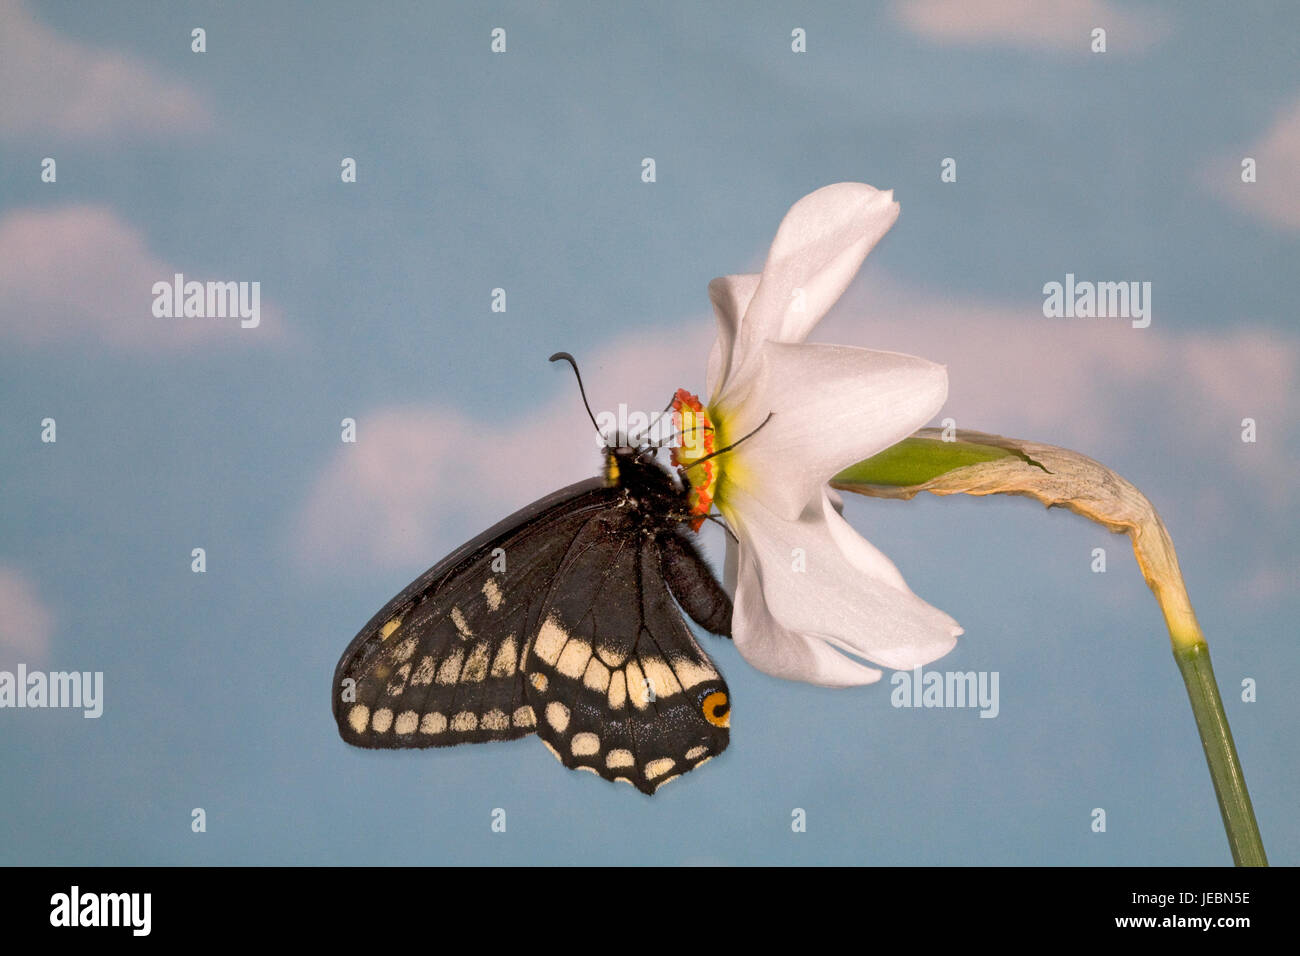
x: 562, y: 620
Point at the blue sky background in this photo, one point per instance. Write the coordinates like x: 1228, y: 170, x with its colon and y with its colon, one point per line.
x: 522, y: 170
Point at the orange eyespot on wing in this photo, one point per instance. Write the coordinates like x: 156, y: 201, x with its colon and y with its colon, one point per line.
x: 717, y: 709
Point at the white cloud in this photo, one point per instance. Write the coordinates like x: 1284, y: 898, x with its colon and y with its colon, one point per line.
x: 1096, y: 385
x: 421, y: 480
x: 25, y: 622
x: 55, y: 88
x: 1050, y: 25
x: 418, y: 477
x: 1275, y: 195
x: 80, y: 275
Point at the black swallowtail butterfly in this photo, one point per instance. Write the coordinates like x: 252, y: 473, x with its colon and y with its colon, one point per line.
x: 562, y: 620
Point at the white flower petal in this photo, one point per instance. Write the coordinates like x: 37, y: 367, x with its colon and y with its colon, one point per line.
x: 774, y: 650
x: 730, y: 296
x: 812, y: 589
x: 833, y: 405
x: 731, y: 567
x: 857, y: 550
x: 816, y: 253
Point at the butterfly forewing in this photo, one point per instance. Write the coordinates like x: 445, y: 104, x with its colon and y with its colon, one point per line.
x: 560, y: 620
x: 440, y: 664
x: 615, y: 678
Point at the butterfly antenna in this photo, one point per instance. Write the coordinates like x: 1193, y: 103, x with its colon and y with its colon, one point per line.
x: 582, y: 391
x: 726, y: 448
x: 646, y: 435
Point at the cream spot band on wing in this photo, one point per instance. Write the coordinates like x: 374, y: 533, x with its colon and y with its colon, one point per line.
x: 617, y: 691
x: 406, y: 722
x: 610, y: 655
x: 449, y: 669
x: 524, y: 717
x: 492, y: 593
x: 657, y: 768
x: 433, y: 723
x: 464, y: 722
x: 405, y: 649
x: 477, y: 665
x: 691, y: 673
x: 596, y: 676
x: 397, y: 683
x: 557, y: 715
x: 616, y: 759
x: 359, y: 717
x: 550, y: 640
x: 696, y: 752
x: 381, y: 720
x: 423, y: 672
x: 637, y: 688
x: 458, y: 618
x: 662, y: 680
x: 507, y: 659
x: 495, y: 720
x: 584, y: 744
x: 573, y: 660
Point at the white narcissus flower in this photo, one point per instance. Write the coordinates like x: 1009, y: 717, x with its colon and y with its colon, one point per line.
x: 809, y: 590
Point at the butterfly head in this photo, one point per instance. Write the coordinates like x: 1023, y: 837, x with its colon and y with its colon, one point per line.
x: 637, y: 469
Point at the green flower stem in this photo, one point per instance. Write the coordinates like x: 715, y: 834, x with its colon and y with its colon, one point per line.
x: 1221, y: 754
x: 981, y: 464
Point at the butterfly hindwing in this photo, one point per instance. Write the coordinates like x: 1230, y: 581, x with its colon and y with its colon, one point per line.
x: 440, y: 664
x: 616, y: 680
x: 563, y: 620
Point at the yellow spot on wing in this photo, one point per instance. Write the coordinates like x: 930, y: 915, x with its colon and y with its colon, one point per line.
x: 573, y: 661
x: 423, y: 672
x: 660, y: 675
x: 359, y: 717
x: 657, y: 768
x: 550, y: 640
x: 398, y: 683
x: 386, y: 631
x: 596, y: 676
x: 477, y: 665
x: 636, y: 686
x: 557, y: 715
x: 619, y: 758
x: 433, y: 723
x: 462, y: 625
x: 618, y: 691
x: 492, y: 592
x: 507, y: 658
x: 449, y: 669
x: 690, y: 673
